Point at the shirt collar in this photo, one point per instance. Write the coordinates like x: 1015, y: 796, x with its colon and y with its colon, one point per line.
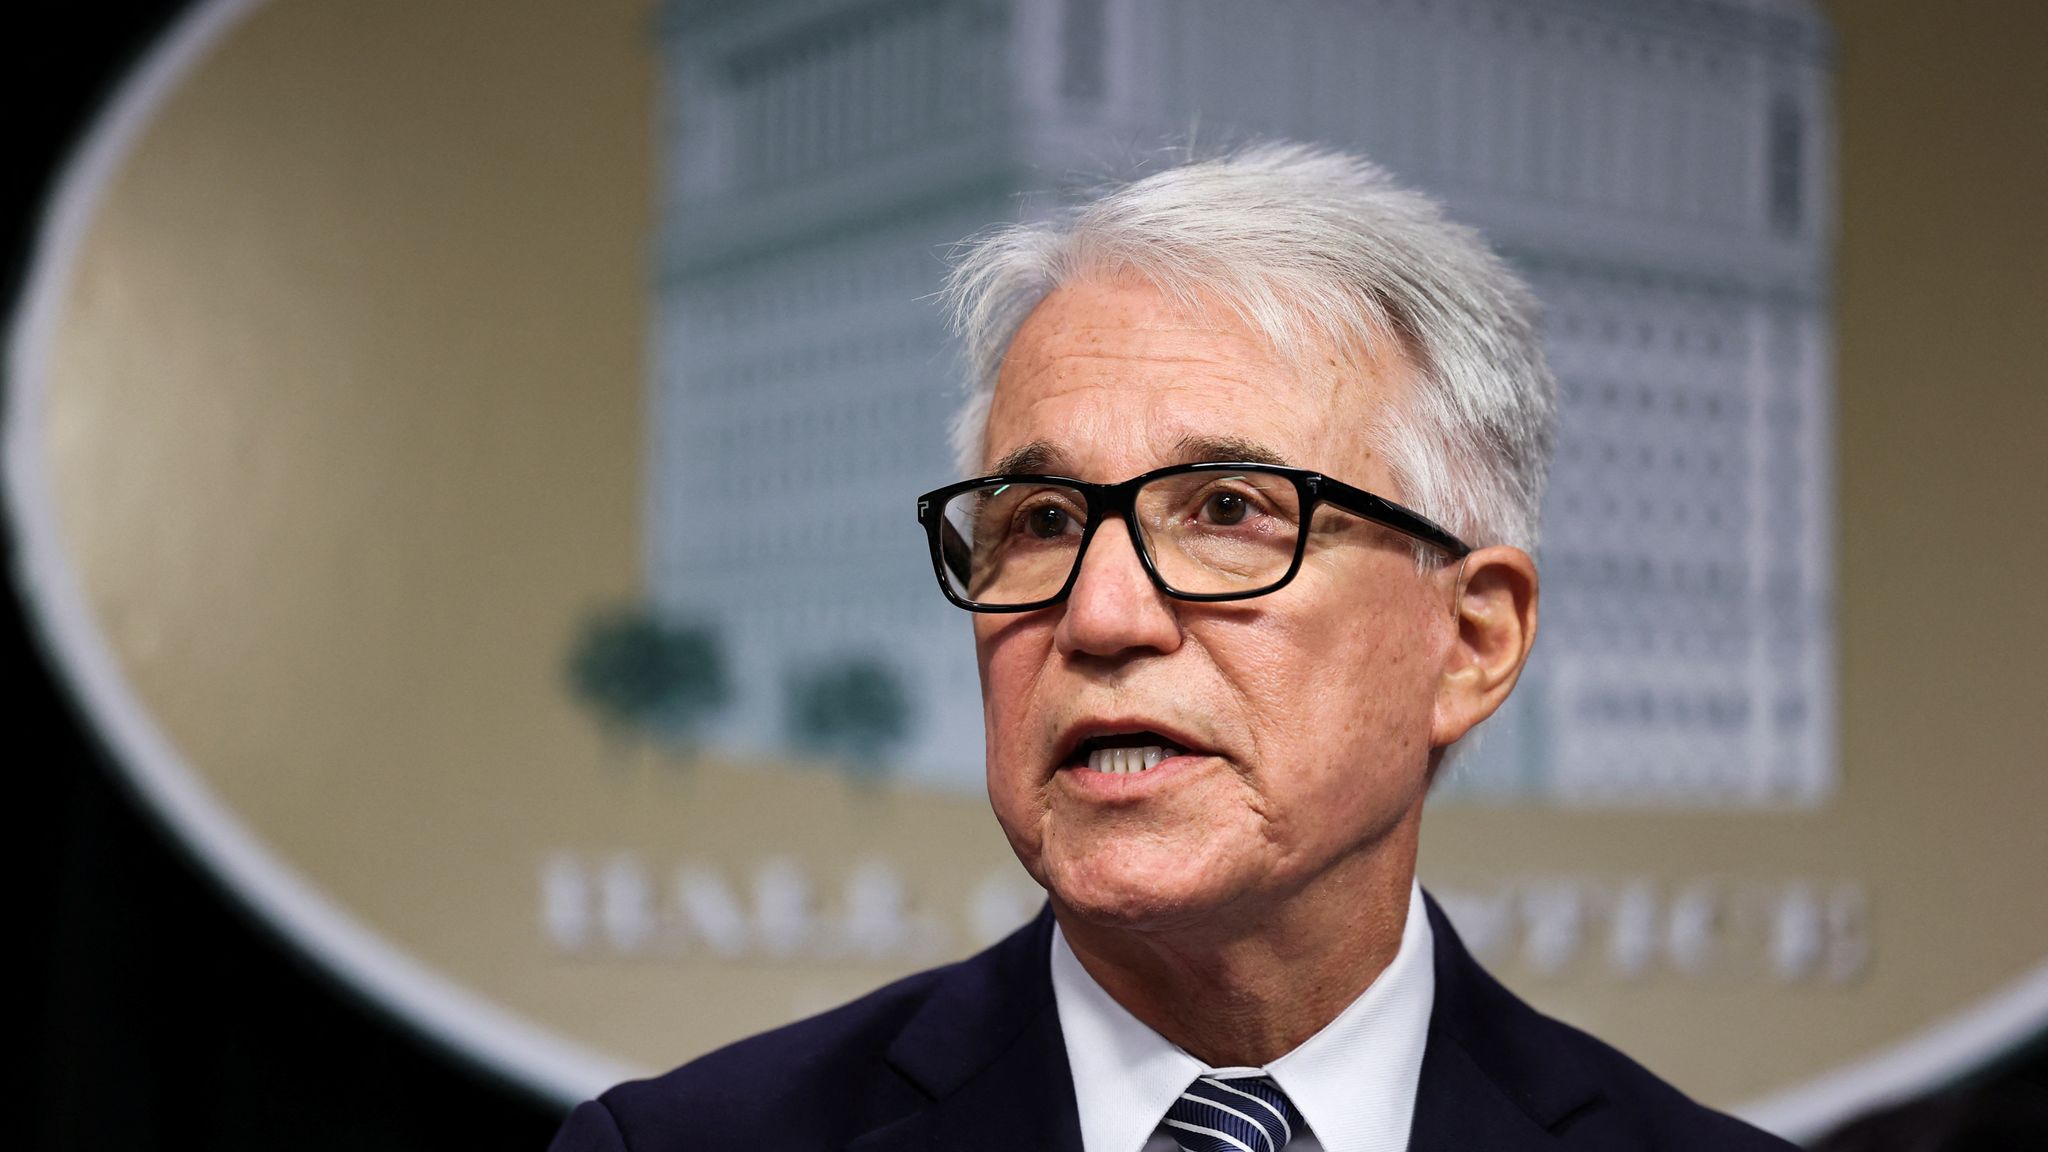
x: 1354, y: 1081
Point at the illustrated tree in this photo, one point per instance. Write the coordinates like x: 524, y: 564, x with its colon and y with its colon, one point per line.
x: 855, y: 708
x: 648, y: 676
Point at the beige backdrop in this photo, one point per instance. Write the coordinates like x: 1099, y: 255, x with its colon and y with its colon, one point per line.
x: 343, y: 421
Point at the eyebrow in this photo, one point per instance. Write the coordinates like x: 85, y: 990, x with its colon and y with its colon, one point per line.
x: 1222, y: 449
x: 1037, y: 456
x: 1041, y: 456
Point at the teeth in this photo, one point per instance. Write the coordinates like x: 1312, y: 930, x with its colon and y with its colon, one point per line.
x: 1124, y: 761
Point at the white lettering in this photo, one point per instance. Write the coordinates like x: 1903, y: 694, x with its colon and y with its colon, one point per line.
x: 626, y: 903
x: 1634, y: 928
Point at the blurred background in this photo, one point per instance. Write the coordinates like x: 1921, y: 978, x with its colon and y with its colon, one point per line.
x: 403, y: 729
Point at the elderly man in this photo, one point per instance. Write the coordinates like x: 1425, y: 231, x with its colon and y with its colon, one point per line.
x: 1259, y: 443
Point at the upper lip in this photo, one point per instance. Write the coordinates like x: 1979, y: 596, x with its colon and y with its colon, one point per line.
x: 1072, y: 737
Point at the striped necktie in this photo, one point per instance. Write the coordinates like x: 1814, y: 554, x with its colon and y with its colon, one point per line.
x: 1243, y: 1114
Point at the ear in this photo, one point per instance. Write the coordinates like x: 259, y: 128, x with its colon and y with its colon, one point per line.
x: 1494, y: 612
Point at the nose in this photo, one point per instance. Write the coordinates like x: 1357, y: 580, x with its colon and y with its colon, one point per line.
x: 1114, y: 607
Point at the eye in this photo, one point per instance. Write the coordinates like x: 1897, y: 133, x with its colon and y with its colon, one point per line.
x: 1047, y: 521
x: 1225, y: 508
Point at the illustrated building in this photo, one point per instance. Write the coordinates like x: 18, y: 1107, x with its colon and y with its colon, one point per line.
x: 1661, y: 170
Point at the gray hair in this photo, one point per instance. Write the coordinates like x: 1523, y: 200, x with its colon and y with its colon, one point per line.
x: 1311, y: 248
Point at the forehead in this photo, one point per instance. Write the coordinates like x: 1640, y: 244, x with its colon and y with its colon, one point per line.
x: 1114, y: 377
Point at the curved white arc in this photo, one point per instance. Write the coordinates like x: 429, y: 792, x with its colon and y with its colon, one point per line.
x: 1997, y: 1024
x: 474, y: 1026
x: 478, y: 1028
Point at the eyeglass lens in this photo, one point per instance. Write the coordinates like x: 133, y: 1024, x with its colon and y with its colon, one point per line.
x: 1206, y: 533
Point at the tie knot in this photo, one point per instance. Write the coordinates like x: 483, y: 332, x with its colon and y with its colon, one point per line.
x: 1241, y: 1114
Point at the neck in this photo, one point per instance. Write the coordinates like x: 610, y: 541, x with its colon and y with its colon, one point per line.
x: 1246, y: 987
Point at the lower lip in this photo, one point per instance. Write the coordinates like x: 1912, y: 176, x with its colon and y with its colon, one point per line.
x: 1127, y: 785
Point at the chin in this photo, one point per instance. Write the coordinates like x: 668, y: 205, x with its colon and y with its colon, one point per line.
x: 1115, y: 890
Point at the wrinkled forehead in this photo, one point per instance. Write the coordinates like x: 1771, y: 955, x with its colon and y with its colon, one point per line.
x: 1108, y: 379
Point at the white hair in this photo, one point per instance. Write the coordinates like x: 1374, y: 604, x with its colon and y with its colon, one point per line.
x: 1312, y: 249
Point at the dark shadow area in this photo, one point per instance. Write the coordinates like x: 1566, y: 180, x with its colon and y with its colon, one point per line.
x: 159, y: 1014
x: 2002, y: 1109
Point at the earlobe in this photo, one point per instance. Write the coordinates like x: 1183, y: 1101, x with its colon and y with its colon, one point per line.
x: 1493, y: 614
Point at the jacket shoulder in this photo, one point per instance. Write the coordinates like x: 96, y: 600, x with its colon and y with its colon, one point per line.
x: 1642, y: 1110
x: 1580, y: 1089
x: 823, y: 1081
x: 817, y: 1082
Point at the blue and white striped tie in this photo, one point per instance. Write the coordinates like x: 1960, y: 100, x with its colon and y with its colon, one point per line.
x: 1245, y: 1114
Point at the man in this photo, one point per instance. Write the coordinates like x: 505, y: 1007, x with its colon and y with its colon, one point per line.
x: 1259, y: 444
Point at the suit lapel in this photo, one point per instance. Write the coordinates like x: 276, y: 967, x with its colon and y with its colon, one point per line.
x: 1459, y: 1108
x: 987, y: 1048
x: 1493, y: 1075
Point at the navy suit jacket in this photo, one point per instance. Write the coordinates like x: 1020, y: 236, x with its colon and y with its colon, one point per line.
x: 969, y: 1057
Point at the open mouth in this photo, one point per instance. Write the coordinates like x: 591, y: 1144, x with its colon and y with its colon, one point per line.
x: 1123, y: 753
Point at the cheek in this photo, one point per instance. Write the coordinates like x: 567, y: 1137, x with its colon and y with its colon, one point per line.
x: 1346, y: 699
x: 1011, y: 659
x: 1010, y: 662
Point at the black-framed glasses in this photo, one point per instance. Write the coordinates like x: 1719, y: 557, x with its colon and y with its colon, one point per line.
x: 1203, y: 532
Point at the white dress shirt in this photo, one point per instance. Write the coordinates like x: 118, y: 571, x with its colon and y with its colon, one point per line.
x: 1354, y: 1081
